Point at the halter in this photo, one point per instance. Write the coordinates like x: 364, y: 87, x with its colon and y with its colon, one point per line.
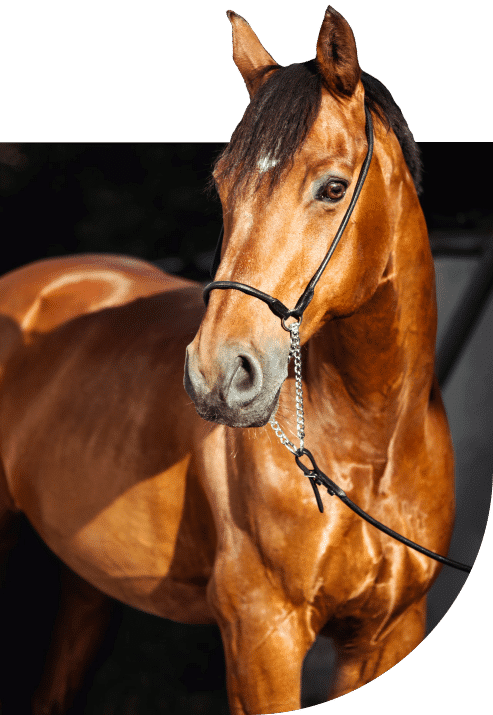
x: 313, y: 472
x: 277, y: 307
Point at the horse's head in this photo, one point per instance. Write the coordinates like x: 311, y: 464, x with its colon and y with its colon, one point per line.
x: 285, y: 182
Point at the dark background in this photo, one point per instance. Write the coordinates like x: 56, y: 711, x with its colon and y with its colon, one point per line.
x: 152, y: 201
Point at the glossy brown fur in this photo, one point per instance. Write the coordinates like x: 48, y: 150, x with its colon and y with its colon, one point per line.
x: 104, y: 452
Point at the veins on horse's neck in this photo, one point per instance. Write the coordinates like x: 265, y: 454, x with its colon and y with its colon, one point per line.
x: 372, y: 365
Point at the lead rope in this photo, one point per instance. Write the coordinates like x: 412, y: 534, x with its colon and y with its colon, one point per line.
x: 314, y: 473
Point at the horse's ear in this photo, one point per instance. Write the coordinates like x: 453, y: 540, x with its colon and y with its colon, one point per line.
x: 336, y: 54
x: 249, y: 55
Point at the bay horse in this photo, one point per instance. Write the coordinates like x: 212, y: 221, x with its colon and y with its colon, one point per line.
x: 187, y: 505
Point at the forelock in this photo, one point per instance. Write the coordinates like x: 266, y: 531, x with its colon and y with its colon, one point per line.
x: 273, y: 128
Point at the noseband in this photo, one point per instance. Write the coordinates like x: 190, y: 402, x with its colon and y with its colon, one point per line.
x: 313, y: 472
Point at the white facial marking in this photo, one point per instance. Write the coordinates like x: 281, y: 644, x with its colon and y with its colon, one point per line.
x: 265, y: 163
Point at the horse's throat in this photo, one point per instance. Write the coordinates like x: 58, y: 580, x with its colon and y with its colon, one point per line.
x: 363, y: 370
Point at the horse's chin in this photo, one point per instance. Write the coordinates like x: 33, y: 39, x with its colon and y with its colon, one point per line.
x: 254, y: 415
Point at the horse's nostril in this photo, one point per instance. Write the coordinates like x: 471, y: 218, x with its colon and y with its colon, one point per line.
x: 244, y: 375
x: 245, y: 383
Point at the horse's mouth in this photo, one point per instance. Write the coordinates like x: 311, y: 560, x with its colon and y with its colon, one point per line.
x: 256, y: 415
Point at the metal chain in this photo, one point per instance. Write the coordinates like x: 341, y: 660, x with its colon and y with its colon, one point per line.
x: 294, y: 352
x: 314, y: 473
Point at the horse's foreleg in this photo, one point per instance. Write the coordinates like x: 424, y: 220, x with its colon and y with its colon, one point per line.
x: 80, y: 627
x: 265, y: 639
x: 359, y: 662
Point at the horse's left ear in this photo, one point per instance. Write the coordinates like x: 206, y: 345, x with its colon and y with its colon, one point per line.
x: 336, y: 54
x: 249, y: 55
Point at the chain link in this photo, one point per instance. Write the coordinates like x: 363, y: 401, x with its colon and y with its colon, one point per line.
x: 294, y: 352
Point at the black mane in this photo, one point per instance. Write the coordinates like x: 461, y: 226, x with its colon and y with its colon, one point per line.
x: 382, y: 104
x: 282, y: 112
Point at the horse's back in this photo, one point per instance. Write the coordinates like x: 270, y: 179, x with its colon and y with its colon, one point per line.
x: 44, y: 294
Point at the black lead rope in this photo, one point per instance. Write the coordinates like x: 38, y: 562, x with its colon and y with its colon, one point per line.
x: 314, y: 473
x: 318, y: 478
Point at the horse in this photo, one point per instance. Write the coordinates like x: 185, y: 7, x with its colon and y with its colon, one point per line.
x: 183, y: 502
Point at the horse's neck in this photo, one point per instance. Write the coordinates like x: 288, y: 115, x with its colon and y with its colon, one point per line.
x: 364, y: 371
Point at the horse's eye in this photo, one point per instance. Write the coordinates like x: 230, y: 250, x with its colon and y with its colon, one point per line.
x: 333, y: 190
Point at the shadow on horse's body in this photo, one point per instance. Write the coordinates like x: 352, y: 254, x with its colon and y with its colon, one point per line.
x: 120, y: 368
x: 104, y: 452
x: 102, y: 391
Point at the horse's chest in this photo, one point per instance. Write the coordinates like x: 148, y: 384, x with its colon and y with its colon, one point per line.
x: 340, y: 566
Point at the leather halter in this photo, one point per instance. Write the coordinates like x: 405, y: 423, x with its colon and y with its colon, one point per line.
x: 277, y: 307
x: 314, y: 473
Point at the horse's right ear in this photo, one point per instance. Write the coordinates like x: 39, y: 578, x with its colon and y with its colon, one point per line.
x: 336, y: 54
x: 249, y: 55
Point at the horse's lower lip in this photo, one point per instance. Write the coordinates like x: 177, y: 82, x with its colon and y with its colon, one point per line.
x: 250, y: 416
x: 233, y: 422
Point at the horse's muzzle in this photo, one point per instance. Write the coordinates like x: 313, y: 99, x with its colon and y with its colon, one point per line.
x: 239, y: 388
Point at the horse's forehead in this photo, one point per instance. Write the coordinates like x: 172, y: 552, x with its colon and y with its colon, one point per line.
x: 338, y: 128
x: 337, y: 133
x: 332, y: 133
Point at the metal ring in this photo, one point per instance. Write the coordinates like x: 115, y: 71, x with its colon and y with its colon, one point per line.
x: 289, y: 328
